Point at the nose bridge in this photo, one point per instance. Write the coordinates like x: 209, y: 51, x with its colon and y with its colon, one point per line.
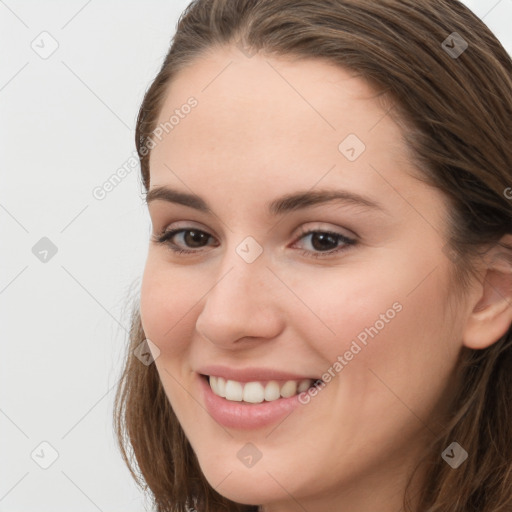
x: 237, y: 283
x: 240, y: 302
x: 243, y: 271
x: 242, y: 278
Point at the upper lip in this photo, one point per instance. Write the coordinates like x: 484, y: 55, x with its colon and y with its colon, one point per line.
x: 250, y: 374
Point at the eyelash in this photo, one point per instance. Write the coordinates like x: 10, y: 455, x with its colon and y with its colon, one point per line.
x: 165, y: 237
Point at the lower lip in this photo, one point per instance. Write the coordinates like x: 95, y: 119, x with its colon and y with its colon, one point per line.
x: 243, y: 415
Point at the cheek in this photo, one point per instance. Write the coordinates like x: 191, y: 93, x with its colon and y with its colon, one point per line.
x: 393, y: 324
x: 408, y: 349
x: 340, y: 305
x: 167, y: 300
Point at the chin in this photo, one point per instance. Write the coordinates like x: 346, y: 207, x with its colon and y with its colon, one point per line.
x: 247, y: 486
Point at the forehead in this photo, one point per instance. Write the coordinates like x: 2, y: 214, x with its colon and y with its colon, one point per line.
x: 262, y: 120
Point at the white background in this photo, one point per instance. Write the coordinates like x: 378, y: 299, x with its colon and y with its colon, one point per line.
x: 66, y: 125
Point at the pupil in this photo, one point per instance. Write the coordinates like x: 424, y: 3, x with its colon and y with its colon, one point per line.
x: 196, y: 238
x: 322, y: 238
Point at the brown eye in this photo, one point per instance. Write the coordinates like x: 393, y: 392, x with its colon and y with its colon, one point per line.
x: 195, y: 238
x: 325, y: 243
x: 190, y: 239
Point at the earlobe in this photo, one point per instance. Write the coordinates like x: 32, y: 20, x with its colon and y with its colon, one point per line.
x: 491, y: 316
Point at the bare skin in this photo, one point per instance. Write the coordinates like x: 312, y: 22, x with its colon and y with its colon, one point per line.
x: 264, y: 128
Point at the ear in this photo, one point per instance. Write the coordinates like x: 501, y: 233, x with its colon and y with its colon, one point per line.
x: 491, y: 316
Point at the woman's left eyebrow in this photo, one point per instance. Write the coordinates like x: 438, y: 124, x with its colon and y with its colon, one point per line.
x: 308, y: 198
x: 287, y: 203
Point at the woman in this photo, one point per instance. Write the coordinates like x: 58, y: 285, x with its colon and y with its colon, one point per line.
x: 327, y: 292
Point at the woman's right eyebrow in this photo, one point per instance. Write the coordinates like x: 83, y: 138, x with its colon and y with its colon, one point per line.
x: 287, y: 203
x: 171, y: 195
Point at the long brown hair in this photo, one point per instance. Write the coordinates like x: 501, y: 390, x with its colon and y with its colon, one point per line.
x: 456, y: 115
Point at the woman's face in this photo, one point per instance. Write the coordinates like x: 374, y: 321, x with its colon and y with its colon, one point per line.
x: 314, y: 254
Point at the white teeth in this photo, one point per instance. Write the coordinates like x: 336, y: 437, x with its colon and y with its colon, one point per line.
x: 213, y: 385
x: 256, y: 392
x: 304, y: 385
x: 289, y: 389
x: 272, y: 391
x: 234, y: 391
x: 221, y: 386
x: 218, y: 385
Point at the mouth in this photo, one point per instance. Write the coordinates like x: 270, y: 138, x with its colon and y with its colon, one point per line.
x: 256, y: 392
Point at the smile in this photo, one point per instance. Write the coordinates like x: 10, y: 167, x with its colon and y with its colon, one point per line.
x: 256, y: 392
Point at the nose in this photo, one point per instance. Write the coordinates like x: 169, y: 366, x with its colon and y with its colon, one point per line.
x: 242, y: 303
